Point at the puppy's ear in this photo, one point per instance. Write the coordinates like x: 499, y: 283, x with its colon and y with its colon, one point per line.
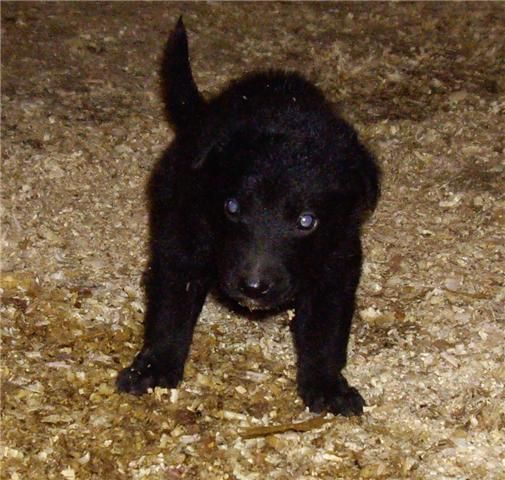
x: 205, y: 144
x: 365, y: 175
x: 217, y: 129
x: 183, y: 101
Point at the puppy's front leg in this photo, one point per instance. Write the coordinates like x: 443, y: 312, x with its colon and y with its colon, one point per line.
x: 321, y: 333
x: 174, y: 301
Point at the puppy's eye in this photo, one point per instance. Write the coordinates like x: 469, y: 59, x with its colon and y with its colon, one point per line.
x: 232, y: 207
x: 307, y: 222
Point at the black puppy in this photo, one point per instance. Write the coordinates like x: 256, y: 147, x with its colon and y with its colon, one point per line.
x: 262, y: 192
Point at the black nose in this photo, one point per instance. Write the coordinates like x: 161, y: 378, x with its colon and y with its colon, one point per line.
x: 254, y: 288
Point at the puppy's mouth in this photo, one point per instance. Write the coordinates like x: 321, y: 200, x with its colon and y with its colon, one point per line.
x: 254, y: 305
x: 271, y: 301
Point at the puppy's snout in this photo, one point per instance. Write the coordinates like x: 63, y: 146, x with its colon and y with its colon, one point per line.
x: 254, y: 287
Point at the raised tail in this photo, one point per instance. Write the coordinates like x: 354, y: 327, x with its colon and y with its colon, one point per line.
x: 183, y: 101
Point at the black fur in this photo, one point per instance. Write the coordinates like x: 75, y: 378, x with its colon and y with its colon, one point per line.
x: 271, y: 148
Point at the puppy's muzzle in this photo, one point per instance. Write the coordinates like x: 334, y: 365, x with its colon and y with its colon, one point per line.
x: 258, y: 294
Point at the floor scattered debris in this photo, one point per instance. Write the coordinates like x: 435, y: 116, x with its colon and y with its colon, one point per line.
x: 82, y: 124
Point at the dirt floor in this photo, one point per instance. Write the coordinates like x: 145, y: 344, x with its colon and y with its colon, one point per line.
x: 82, y: 124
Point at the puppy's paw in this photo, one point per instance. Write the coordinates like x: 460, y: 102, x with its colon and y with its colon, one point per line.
x: 143, y: 374
x: 332, y: 398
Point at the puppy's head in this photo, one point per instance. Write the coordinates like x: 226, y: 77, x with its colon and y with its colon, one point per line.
x: 278, y: 212
x: 266, y: 231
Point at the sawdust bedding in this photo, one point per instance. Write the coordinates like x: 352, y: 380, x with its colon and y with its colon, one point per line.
x: 81, y: 127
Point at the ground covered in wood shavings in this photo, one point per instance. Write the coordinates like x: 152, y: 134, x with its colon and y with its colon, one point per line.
x: 82, y: 124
